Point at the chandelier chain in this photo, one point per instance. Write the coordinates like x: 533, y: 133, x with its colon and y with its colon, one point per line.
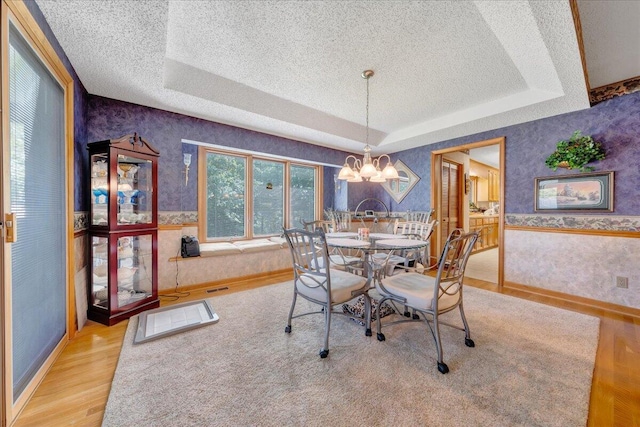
x: 367, y: 138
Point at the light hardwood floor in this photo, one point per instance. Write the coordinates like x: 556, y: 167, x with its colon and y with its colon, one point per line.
x: 75, y: 391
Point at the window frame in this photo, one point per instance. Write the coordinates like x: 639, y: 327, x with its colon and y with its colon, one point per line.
x: 203, y: 151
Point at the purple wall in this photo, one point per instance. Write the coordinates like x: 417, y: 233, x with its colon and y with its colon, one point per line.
x: 616, y: 123
x: 108, y: 118
x: 79, y: 114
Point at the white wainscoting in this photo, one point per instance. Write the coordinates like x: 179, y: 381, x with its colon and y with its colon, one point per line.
x: 575, y: 264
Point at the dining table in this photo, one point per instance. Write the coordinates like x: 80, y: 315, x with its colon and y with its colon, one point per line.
x: 377, y: 243
x: 371, y: 267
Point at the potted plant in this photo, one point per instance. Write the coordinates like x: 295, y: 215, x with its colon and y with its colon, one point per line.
x: 575, y: 153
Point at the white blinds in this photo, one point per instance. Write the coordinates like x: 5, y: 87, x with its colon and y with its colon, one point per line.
x: 38, y: 258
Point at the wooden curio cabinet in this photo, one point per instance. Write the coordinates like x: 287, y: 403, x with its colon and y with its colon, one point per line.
x: 123, y: 229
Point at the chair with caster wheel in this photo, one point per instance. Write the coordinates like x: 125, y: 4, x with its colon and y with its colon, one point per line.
x: 326, y: 287
x: 429, y: 297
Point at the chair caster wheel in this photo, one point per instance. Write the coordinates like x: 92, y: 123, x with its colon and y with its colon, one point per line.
x: 407, y: 314
x: 469, y: 342
x: 416, y: 317
x: 324, y: 354
x: 443, y: 368
x: 288, y: 329
x: 368, y: 332
x: 380, y: 337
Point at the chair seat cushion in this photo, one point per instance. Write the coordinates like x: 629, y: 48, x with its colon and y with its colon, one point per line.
x: 342, y: 286
x: 417, y: 289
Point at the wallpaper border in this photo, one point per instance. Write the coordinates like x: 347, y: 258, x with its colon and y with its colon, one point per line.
x: 603, y: 93
x: 577, y: 222
x: 81, y: 219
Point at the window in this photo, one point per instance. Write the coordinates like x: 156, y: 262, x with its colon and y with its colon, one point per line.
x: 303, y: 194
x: 249, y: 196
x: 268, y: 197
x: 225, y: 211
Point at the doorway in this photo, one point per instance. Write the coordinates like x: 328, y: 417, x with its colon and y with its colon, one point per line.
x: 487, y: 219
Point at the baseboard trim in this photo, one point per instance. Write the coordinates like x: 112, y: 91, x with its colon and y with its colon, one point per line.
x: 574, y: 302
x: 235, y: 282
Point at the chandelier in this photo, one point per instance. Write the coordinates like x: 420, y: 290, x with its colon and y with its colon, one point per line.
x: 367, y: 169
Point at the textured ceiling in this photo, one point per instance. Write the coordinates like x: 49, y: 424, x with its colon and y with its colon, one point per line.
x: 443, y: 69
x: 611, y: 37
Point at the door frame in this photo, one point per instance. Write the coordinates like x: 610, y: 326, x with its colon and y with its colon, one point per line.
x: 436, y: 195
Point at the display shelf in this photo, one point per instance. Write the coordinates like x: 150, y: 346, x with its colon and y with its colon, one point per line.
x: 123, y: 229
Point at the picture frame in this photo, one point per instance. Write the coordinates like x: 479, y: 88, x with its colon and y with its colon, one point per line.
x: 586, y: 192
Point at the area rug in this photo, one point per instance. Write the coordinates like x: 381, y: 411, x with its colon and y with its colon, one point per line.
x: 532, y: 366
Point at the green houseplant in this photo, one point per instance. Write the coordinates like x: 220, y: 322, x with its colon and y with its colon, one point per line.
x: 575, y: 153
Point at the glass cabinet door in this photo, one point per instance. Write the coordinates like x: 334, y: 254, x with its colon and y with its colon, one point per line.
x: 135, y: 190
x: 134, y: 274
x: 99, y: 272
x: 99, y: 189
x: 133, y: 280
x: 135, y: 186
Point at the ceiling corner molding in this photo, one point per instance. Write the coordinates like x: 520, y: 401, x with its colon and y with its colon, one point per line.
x: 612, y: 90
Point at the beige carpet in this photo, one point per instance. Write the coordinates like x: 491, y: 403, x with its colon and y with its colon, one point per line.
x: 532, y: 366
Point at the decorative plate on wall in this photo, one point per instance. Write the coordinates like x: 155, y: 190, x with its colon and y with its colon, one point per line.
x: 399, y: 188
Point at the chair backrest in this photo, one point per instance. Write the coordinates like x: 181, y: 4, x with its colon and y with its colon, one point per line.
x: 309, y: 255
x: 326, y: 226
x: 420, y: 229
x: 341, y: 220
x: 418, y: 216
x: 452, y: 264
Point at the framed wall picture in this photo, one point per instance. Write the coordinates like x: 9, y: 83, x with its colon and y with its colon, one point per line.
x: 587, y: 192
